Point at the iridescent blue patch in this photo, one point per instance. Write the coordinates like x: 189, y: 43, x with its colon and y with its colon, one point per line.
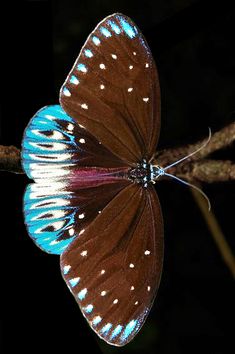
x: 130, y: 30
x: 82, y: 294
x: 117, y: 330
x: 82, y: 67
x: 66, y: 269
x: 88, y: 308
x: 96, y: 40
x: 105, y: 32
x: 114, y: 27
x: 88, y: 53
x: 66, y: 92
x: 96, y: 320
x: 74, y: 80
x: 73, y: 282
x: 106, y: 328
x: 129, y: 329
x: 47, y: 149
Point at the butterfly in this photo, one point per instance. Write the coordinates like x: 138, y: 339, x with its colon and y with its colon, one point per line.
x: 92, y: 200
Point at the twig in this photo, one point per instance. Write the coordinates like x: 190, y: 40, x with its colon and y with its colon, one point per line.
x: 216, y: 232
x: 194, y: 168
x: 219, y: 140
x: 209, y: 171
x: 199, y: 168
x: 10, y: 159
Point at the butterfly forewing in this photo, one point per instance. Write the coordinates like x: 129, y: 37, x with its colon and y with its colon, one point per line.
x: 114, y: 268
x: 73, y: 186
x: 54, y: 144
x: 113, y: 90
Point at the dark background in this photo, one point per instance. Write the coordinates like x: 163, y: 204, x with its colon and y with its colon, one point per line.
x: 193, y: 44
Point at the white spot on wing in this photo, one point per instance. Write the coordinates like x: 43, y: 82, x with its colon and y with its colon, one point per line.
x: 67, y: 268
x: 49, y: 116
x: 115, y: 301
x: 103, y: 293
x: 132, y: 288
x: 66, y: 92
x: 147, y: 65
x: 88, y: 308
x: 84, y: 253
x: 54, y: 242
x: 84, y: 106
x: 148, y: 288
x: 88, y: 53
x: 70, y: 127
x: 102, y: 66
x: 57, y: 225
x: 131, y: 265
x: 130, y: 89
x: 82, y: 68
x: 105, y: 32
x: 130, y: 67
x: 102, y: 87
x: 95, y: 40
x: 114, y: 56
x: 96, y: 320
x: 54, y: 214
x: 74, y: 80
x: 102, y: 271
x: 74, y: 281
x: 82, y: 141
x: 82, y: 294
x: 147, y: 252
x: 145, y: 99
x: 81, y: 216
x: 71, y: 232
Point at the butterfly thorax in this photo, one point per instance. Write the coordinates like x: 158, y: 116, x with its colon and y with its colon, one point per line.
x: 141, y: 173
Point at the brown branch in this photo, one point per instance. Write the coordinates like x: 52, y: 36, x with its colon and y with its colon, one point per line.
x: 219, y: 140
x: 209, y: 171
x: 195, y: 168
x: 10, y: 159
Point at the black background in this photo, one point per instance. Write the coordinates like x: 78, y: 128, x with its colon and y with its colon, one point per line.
x: 193, y: 44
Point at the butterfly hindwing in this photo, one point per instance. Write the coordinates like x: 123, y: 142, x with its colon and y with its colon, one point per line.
x: 56, y: 213
x: 114, y: 268
x: 113, y: 90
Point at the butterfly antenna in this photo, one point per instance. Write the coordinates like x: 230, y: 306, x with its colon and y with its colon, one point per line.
x: 191, y: 154
x: 162, y: 170
x: 192, y: 186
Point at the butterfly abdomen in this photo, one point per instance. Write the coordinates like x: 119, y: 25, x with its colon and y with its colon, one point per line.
x: 95, y: 176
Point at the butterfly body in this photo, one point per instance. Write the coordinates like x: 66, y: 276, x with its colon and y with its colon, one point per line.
x: 92, y: 200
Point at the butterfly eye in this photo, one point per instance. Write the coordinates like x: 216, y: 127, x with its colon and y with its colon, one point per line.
x: 92, y: 201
